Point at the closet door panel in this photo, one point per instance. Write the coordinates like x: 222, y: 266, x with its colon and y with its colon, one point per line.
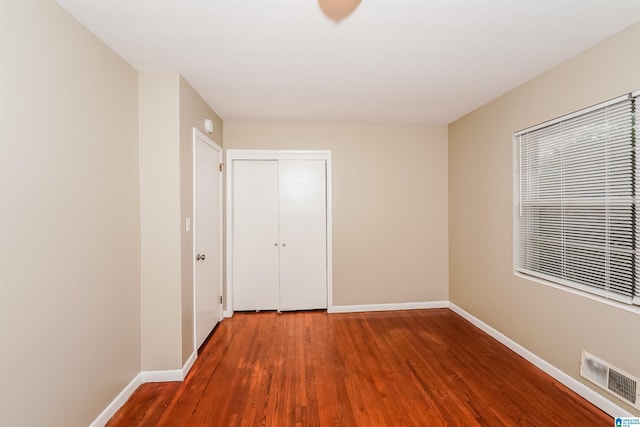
x: 303, y: 236
x: 255, y: 235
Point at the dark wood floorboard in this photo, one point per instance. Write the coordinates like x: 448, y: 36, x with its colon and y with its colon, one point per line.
x: 408, y: 368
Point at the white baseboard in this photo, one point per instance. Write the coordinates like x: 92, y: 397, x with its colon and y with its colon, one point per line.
x: 595, y: 398
x: 116, y: 403
x: 142, y: 378
x: 388, y: 307
x: 161, y: 376
x: 187, y: 366
x: 228, y: 313
x: 169, y: 374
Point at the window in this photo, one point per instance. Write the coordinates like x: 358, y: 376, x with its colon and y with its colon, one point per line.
x: 576, y: 219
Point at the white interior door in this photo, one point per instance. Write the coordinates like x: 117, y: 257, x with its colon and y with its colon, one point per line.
x: 255, y: 235
x: 303, y: 234
x: 207, y: 235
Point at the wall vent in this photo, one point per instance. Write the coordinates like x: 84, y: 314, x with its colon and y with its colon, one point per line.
x: 610, y: 378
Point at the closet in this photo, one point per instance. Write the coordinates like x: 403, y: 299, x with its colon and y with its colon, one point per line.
x: 279, y: 234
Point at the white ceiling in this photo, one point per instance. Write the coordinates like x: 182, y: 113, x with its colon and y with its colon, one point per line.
x: 391, y: 61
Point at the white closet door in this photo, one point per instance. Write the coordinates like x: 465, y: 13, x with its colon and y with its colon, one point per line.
x: 255, y: 235
x: 303, y: 234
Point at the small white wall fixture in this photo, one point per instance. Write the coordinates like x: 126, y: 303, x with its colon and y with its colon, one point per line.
x: 233, y: 155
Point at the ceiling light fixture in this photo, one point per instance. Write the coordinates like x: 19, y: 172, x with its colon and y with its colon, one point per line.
x: 338, y: 9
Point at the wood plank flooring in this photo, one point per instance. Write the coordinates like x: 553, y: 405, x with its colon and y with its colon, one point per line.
x: 408, y: 368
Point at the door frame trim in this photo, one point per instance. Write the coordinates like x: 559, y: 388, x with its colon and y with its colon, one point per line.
x: 237, y: 154
x: 199, y: 136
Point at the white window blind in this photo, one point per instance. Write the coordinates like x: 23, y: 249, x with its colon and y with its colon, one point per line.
x: 576, y: 221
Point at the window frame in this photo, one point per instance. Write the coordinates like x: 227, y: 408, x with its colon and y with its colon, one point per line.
x: 632, y: 302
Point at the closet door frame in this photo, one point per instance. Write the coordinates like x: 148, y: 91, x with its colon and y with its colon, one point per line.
x: 237, y: 154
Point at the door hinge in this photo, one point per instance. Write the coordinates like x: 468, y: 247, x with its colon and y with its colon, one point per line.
x: 220, y: 299
x: 221, y: 166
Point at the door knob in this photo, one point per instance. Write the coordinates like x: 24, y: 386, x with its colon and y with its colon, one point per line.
x: 200, y: 257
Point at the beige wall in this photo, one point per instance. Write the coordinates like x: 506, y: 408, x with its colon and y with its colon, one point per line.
x: 169, y: 108
x: 389, y: 204
x: 193, y: 112
x: 159, y: 109
x: 69, y: 220
x: 551, y: 323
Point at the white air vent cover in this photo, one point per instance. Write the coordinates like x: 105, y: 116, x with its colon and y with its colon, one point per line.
x: 610, y: 378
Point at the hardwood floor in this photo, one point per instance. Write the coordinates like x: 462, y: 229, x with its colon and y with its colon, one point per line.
x: 409, y: 368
